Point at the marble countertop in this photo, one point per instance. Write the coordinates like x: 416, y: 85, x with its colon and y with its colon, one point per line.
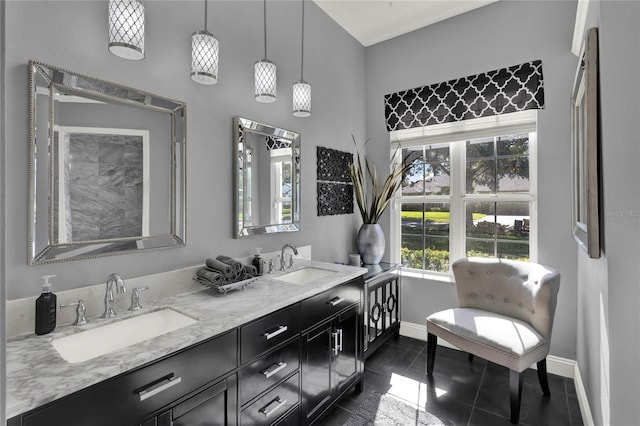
x: 37, y: 374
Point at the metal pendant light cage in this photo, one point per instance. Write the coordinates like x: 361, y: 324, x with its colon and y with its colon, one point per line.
x: 126, y: 29
x: 204, y: 55
x: 204, y: 58
x: 265, y: 79
x: 301, y: 89
x: 301, y: 99
x: 265, y: 73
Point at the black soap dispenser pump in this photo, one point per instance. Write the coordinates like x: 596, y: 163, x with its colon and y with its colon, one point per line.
x: 46, y: 308
x: 257, y: 262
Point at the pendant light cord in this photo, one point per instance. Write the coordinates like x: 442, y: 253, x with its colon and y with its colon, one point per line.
x: 265, y: 29
x: 302, y: 46
x: 205, y: 15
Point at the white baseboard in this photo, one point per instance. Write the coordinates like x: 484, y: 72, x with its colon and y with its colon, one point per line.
x: 583, y: 401
x: 555, y: 365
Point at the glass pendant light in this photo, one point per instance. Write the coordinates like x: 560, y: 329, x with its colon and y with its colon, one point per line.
x: 126, y: 29
x: 265, y: 72
x: 302, y: 89
x: 204, y: 55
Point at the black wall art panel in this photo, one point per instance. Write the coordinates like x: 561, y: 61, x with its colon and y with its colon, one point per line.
x: 335, y: 190
x: 335, y: 198
x: 502, y: 91
x: 333, y: 165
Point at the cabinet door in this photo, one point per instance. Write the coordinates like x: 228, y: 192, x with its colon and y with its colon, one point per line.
x: 382, y: 312
x: 392, y: 302
x: 346, y: 358
x: 316, y: 369
x: 213, y: 406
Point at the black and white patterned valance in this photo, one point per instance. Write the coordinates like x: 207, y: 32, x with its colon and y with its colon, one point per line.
x: 275, y: 143
x: 502, y: 91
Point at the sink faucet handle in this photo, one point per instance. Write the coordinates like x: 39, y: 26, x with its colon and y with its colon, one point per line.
x: 80, y: 312
x: 135, y: 298
x: 271, y: 270
x: 291, y: 262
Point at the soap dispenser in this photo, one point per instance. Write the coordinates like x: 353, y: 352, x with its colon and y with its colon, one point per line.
x: 258, y: 263
x: 46, y: 306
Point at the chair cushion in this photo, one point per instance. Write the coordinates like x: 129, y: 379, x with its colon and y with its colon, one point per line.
x: 504, y: 340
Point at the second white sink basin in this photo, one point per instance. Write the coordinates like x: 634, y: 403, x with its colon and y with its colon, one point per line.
x: 305, y: 275
x: 102, y: 340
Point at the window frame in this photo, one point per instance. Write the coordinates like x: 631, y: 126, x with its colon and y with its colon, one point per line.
x: 456, y: 134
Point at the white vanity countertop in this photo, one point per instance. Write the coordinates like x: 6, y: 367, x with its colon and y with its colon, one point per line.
x: 37, y: 374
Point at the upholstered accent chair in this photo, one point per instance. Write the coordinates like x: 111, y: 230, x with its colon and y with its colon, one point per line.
x: 504, y: 315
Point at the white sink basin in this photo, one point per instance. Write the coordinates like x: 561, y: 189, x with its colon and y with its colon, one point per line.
x: 102, y: 340
x: 305, y: 275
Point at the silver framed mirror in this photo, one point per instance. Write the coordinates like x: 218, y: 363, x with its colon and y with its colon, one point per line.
x: 107, y: 168
x: 266, y: 178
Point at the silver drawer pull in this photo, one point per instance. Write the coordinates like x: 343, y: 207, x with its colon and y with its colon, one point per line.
x: 160, y: 387
x: 275, y: 368
x: 279, y: 403
x: 335, y: 301
x: 281, y: 329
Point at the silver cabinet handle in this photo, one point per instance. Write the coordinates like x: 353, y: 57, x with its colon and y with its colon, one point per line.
x: 339, y: 340
x: 335, y: 301
x: 334, y: 336
x: 160, y: 387
x: 281, y: 329
x: 275, y: 368
x: 279, y: 403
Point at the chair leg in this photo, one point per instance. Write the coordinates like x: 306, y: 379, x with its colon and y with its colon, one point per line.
x: 432, y: 343
x: 470, y: 357
x: 542, y: 377
x: 515, y: 389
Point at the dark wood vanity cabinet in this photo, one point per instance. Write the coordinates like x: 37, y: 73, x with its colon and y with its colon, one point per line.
x: 130, y: 397
x: 285, y: 368
x: 381, y: 305
x: 332, y: 359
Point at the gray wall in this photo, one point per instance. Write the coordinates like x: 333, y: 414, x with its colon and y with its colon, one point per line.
x: 502, y: 34
x: 52, y: 32
x: 608, y: 347
x: 3, y: 246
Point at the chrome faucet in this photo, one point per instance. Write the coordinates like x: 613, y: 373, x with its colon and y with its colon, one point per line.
x: 81, y: 311
x: 282, y: 261
x: 109, y: 299
x: 135, y: 298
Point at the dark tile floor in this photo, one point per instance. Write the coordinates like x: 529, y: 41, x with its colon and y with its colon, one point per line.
x: 460, y: 392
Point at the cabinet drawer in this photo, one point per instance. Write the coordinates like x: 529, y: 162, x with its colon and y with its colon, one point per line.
x: 268, y: 370
x: 315, y: 309
x: 273, y: 405
x: 269, y: 331
x: 132, y: 396
x: 292, y: 419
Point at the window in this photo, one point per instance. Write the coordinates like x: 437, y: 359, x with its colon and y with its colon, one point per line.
x: 281, y: 185
x: 468, y: 192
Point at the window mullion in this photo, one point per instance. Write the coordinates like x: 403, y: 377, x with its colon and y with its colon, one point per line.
x: 456, y: 209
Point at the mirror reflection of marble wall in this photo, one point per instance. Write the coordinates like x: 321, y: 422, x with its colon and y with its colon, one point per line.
x: 101, y: 194
x: 107, y: 122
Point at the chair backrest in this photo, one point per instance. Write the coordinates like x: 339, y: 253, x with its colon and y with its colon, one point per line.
x: 524, y: 290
